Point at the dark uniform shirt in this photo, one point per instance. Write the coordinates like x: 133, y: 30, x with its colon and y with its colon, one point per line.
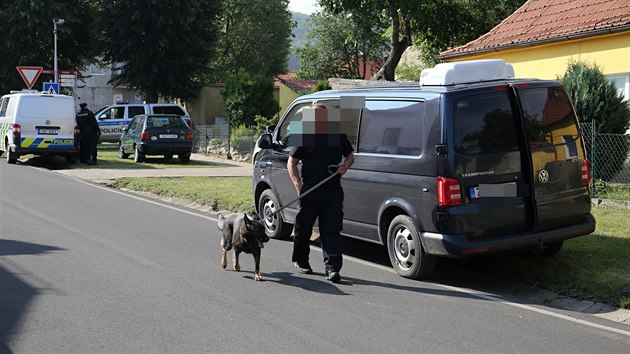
x: 317, y: 157
x: 87, y: 122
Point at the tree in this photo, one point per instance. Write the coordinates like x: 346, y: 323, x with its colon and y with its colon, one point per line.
x: 597, y: 101
x: 247, y: 96
x: 26, y: 38
x: 338, y: 47
x: 254, y: 36
x: 438, y: 24
x: 163, y: 47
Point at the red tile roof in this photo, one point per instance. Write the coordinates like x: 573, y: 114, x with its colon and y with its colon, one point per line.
x: 540, y: 21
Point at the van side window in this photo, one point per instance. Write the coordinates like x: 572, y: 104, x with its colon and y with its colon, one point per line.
x: 392, y: 127
x: 484, y: 124
x: 168, y: 110
x: 3, y: 106
x: 135, y: 110
x: 284, y: 133
x: 549, y: 117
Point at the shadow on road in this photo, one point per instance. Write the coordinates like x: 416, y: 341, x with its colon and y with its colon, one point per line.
x: 15, y: 294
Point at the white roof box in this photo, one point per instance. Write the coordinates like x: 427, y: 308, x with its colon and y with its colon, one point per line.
x: 463, y: 72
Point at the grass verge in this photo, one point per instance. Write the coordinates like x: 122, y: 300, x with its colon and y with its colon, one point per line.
x: 594, y: 267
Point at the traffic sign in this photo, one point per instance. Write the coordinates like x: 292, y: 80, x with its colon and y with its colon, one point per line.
x: 51, y: 87
x: 29, y: 74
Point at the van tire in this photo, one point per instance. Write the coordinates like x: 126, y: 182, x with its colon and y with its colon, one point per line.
x: 138, y: 157
x: 405, y: 249
x: 276, y: 227
x: 12, y: 157
x: 121, y: 152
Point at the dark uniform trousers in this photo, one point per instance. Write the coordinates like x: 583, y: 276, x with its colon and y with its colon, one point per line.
x: 326, y: 203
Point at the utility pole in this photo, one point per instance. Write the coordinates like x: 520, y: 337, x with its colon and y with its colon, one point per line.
x: 57, y: 21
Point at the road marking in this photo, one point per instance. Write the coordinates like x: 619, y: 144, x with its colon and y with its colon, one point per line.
x: 481, y: 295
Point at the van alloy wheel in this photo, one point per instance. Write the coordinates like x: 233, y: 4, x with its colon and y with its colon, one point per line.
x: 275, y: 227
x: 405, y: 250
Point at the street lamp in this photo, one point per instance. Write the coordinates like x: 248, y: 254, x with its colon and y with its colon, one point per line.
x: 57, y: 21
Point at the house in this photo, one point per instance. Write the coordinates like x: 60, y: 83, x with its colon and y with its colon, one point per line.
x: 97, y: 91
x: 290, y: 88
x: 542, y: 36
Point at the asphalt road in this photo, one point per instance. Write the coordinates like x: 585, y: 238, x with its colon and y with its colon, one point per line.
x: 87, y: 269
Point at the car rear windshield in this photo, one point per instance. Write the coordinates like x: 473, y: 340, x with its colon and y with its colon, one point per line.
x: 166, y: 122
x: 484, y: 124
x: 549, y: 117
x: 168, y: 110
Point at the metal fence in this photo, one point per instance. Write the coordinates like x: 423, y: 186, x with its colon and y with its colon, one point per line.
x: 609, y: 158
x: 214, y: 139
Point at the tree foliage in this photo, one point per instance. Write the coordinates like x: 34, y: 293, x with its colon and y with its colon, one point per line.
x: 247, y: 96
x: 597, y: 101
x: 339, y: 47
x: 436, y: 24
x: 26, y: 38
x: 254, y: 36
x: 163, y: 47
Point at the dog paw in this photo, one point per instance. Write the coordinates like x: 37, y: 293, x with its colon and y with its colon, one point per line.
x: 257, y: 277
x: 237, y: 268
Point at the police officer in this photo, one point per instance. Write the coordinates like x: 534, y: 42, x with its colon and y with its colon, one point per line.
x: 90, y: 131
x: 318, y: 152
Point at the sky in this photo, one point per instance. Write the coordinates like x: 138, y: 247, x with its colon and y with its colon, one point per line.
x: 303, y: 6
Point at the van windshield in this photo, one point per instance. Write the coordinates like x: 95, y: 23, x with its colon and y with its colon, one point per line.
x: 485, y: 124
x: 45, y: 107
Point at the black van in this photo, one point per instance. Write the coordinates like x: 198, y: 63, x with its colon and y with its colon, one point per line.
x: 471, y: 161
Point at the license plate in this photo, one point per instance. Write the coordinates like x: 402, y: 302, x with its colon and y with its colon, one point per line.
x: 473, y: 192
x: 168, y: 136
x: 48, y: 131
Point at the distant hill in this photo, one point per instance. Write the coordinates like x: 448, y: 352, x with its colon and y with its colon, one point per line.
x: 298, y: 38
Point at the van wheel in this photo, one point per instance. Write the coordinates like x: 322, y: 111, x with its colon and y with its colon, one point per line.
x: 12, y: 157
x: 275, y: 227
x: 405, y: 250
x: 121, y: 152
x: 138, y: 157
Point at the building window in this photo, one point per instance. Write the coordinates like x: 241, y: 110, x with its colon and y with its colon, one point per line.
x: 96, y: 70
x: 622, y: 82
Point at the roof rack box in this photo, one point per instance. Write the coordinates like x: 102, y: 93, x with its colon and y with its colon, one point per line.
x: 464, y: 72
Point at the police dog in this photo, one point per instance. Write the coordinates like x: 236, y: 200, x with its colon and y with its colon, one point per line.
x: 243, y: 235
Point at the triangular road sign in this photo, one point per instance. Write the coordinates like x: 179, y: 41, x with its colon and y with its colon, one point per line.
x: 29, y: 74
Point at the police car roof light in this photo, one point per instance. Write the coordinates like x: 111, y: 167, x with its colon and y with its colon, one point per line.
x: 465, y: 72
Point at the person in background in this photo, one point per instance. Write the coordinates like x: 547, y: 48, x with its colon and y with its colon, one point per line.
x: 320, y: 152
x: 89, y: 133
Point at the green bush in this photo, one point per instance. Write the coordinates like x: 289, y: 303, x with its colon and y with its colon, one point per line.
x: 242, y: 139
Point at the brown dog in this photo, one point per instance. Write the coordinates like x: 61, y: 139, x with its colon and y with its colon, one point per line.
x: 244, y: 235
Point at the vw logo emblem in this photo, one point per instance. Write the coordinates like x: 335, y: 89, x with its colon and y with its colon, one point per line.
x: 543, y: 176
x: 48, y: 122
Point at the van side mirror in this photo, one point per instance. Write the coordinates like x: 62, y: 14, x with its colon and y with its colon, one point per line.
x: 271, y: 128
x: 264, y: 141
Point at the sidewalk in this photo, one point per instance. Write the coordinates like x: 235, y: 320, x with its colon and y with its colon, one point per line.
x: 228, y: 168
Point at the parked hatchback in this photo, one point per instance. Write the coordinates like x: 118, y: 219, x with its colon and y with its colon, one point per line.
x: 469, y: 161
x: 156, y: 134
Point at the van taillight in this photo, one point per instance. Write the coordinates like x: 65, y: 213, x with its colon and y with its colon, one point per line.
x: 586, y: 173
x: 188, y: 135
x: 449, y: 192
x: 17, y: 129
x: 145, y: 135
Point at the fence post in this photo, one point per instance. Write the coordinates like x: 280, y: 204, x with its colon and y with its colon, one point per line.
x: 593, y: 158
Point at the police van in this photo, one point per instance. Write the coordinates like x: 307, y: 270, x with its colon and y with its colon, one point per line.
x: 468, y: 161
x: 38, y: 123
x: 112, y: 118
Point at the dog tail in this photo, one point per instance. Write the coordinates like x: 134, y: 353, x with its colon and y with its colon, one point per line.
x: 221, y: 221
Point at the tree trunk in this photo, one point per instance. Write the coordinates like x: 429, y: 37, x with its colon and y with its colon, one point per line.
x: 399, y: 45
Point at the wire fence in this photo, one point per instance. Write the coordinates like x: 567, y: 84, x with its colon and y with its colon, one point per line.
x: 213, y: 139
x: 609, y: 158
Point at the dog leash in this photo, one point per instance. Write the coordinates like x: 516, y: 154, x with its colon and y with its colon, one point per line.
x: 307, y: 192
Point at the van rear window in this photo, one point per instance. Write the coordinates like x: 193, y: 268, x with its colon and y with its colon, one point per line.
x: 485, y: 124
x: 39, y: 107
x: 549, y: 117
